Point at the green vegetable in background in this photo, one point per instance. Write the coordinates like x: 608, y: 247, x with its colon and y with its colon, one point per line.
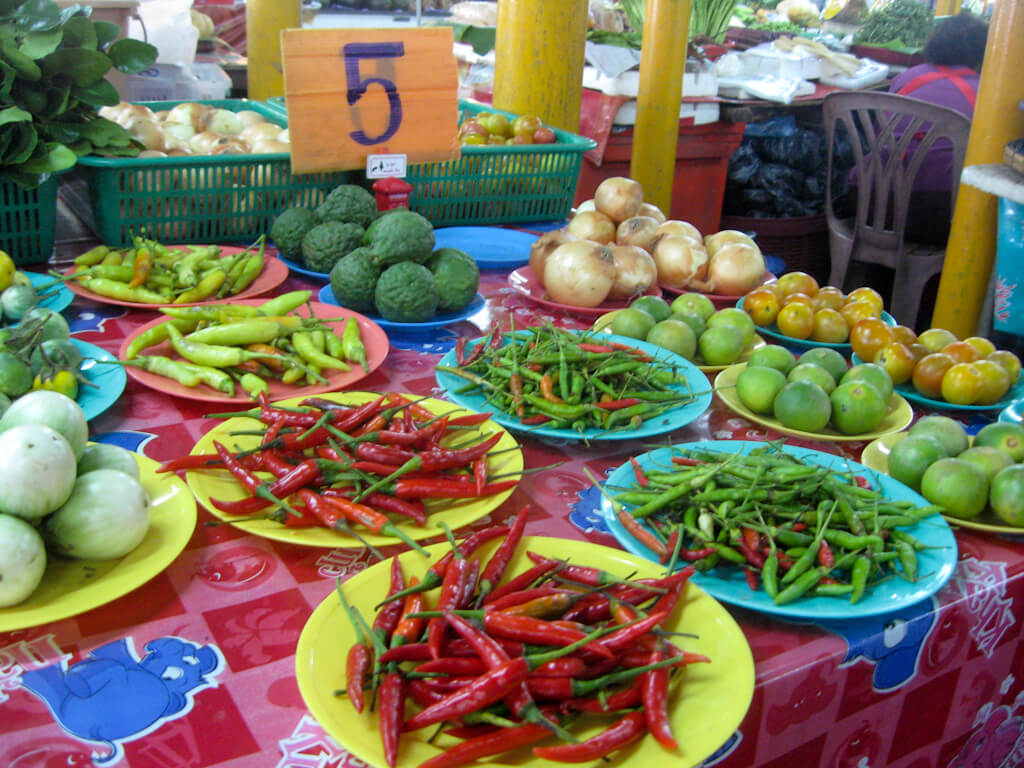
x: 53, y: 67
x: 903, y: 22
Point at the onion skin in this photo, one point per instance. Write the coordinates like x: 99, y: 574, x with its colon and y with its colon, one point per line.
x: 650, y: 209
x: 637, y: 230
x: 679, y: 260
x: 579, y: 273
x: 718, y: 239
x: 542, y: 248
x: 619, y: 198
x: 635, y: 271
x: 592, y: 225
x: 735, y: 269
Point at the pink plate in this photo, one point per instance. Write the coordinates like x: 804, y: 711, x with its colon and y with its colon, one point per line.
x: 525, y: 283
x: 274, y: 273
x: 374, y: 340
x: 721, y: 301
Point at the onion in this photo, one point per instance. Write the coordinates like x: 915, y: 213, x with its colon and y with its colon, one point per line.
x: 637, y: 230
x: 718, y: 239
x: 579, y: 273
x: 677, y: 227
x: 592, y: 225
x: 650, y: 209
x: 146, y: 130
x: 586, y: 205
x: 131, y: 112
x: 679, y: 260
x: 203, y: 143
x: 635, y: 271
x: 151, y: 153
x: 189, y: 113
x: 222, y: 121
x: 260, y: 132
x: 542, y: 248
x: 285, y: 136
x: 735, y: 269
x: 250, y: 117
x: 619, y: 197
x: 266, y: 146
x: 177, y: 135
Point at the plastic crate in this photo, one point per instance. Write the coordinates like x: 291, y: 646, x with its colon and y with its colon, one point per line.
x: 198, y: 198
x: 28, y: 221
x: 800, y: 241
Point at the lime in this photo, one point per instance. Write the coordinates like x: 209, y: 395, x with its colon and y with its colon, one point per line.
x: 1007, y: 495
x: 802, y: 405
x: 15, y: 375
x: 949, y: 432
x: 655, y: 306
x: 757, y: 387
x: 696, y: 303
x: 957, y: 485
x: 674, y: 335
x: 736, y: 318
x: 721, y: 346
x: 911, y: 456
x: 1007, y: 437
x: 857, y: 407
x: 875, y: 375
x: 829, y: 359
x: 988, y: 459
x: 773, y: 356
x: 7, y: 270
x: 812, y: 372
x: 632, y: 322
x: 697, y: 323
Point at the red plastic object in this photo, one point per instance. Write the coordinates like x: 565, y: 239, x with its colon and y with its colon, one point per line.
x: 391, y: 193
x: 698, y: 186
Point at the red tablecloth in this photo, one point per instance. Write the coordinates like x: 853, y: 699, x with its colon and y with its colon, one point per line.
x: 938, y: 684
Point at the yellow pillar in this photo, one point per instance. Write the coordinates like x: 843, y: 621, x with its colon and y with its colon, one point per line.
x: 538, y: 65
x: 947, y: 7
x: 264, y: 20
x: 998, y: 120
x: 656, y: 133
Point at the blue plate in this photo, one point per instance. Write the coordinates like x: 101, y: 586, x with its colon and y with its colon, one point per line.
x: 803, y: 345
x: 490, y: 247
x: 909, y: 393
x: 296, y: 267
x: 60, y: 297
x: 666, y: 422
x: 935, y: 563
x: 1014, y: 413
x: 326, y: 296
x: 110, y: 380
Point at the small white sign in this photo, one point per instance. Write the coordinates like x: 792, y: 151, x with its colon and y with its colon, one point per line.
x: 385, y: 166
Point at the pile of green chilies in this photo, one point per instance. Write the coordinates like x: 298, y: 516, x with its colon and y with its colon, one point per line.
x: 796, y: 528
x: 561, y: 379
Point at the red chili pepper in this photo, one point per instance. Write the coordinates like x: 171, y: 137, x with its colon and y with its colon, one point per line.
x: 383, y: 454
x: 551, y: 604
x: 667, y: 602
x: 445, y: 488
x: 411, y: 508
x: 754, y: 557
x: 513, y: 599
x: 487, y: 745
x: 196, y: 461
x: 638, y: 473
x: 453, y: 665
x: 474, y: 354
x: 600, y: 348
x: 302, y: 475
x: 515, y: 388
x: 670, y: 546
x: 469, y: 419
x: 469, y: 582
x: 421, y: 692
x: 246, y: 479
x: 751, y: 576
x: 751, y: 538
x: 862, y: 482
x: 445, y: 458
x: 639, y: 531
x: 407, y: 652
x: 692, y: 555
x: 480, y: 474
x: 625, y: 731
x: 387, y: 617
x: 621, y: 638
x: 798, y: 526
x: 451, y: 591
x: 615, y: 405
x: 520, y: 582
x: 357, y: 668
x: 305, y: 518
x: 409, y: 628
x: 623, y: 699
x: 686, y: 461
x: 569, y: 666
x: 376, y: 521
x: 538, y: 418
x: 496, y: 566
x: 593, y: 577
x: 392, y: 712
x: 825, y: 557
x: 528, y: 629
x: 460, y: 350
x: 654, y: 694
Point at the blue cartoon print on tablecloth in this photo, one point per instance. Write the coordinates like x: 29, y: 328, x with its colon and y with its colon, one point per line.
x: 91, y: 318
x: 130, y: 440
x: 892, y: 642
x: 586, y: 514
x: 112, y: 696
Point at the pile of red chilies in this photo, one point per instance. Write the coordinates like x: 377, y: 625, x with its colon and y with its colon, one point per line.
x: 335, y: 465
x: 504, y: 664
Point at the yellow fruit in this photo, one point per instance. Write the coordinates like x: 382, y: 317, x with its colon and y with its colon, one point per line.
x: 6, y: 270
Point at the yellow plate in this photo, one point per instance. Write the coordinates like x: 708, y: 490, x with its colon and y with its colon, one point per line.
x: 603, y: 323
x: 70, y: 587
x: 899, y: 416
x: 219, y: 484
x: 705, y: 709
x: 876, y: 456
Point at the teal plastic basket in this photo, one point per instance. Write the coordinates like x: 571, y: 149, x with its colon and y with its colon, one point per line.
x: 193, y: 199
x: 28, y: 221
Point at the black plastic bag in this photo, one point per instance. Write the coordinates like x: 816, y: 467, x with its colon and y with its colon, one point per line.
x: 744, y: 164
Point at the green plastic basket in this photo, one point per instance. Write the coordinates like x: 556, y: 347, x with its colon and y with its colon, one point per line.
x: 496, y: 184
x: 28, y: 221
x: 195, y: 199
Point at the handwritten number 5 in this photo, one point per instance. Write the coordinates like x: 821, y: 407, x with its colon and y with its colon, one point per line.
x: 357, y: 85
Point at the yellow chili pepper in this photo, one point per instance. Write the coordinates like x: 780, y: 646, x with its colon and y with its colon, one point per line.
x: 204, y: 288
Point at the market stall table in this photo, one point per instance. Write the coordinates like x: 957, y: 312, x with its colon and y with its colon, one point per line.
x: 198, y: 664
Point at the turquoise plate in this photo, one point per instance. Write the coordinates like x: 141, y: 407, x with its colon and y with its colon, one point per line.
x: 109, y: 380
x: 60, y: 297
x: 773, y: 332
x: 1013, y: 413
x: 666, y: 422
x: 728, y: 584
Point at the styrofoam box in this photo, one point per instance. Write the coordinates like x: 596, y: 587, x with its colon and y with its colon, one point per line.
x: 703, y: 83
x: 765, y: 59
x: 702, y: 113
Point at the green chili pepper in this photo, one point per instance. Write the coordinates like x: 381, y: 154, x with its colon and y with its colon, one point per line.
x: 165, y: 366
x: 285, y: 303
x: 352, y: 344
x: 92, y: 256
x: 113, y: 289
x: 212, y: 355
x: 306, y: 347
x: 251, y: 269
x: 157, y: 334
x: 253, y: 384
x: 254, y: 330
x: 859, y: 573
x: 203, y: 289
x: 213, y: 377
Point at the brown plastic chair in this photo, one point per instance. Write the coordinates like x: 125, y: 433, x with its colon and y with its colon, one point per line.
x: 896, y: 133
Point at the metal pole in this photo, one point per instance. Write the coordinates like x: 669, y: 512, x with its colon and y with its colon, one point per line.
x: 656, y: 133
x: 264, y: 20
x: 539, y: 59
x: 998, y: 119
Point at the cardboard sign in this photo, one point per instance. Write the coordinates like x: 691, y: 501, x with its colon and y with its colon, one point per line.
x: 352, y: 93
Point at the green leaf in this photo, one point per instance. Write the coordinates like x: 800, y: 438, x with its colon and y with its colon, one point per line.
x: 26, y: 180
x: 7, y: 76
x: 57, y: 96
x: 23, y: 143
x: 39, y: 44
x: 7, y: 29
x: 9, y: 6
x: 130, y: 151
x: 81, y: 148
x: 79, y: 33
x: 65, y: 133
x: 14, y: 115
x: 39, y: 15
x: 106, y: 33
x: 6, y: 134
x: 57, y: 157
x: 132, y: 56
x: 101, y: 94
x: 84, y: 66
x: 103, y: 132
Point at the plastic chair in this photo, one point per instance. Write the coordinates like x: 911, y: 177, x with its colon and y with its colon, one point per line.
x: 895, y: 134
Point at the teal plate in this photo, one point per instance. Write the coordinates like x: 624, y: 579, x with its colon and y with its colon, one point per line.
x: 109, y: 380
x: 60, y: 297
x: 1014, y: 413
x: 773, y: 332
x: 666, y: 422
x: 935, y: 563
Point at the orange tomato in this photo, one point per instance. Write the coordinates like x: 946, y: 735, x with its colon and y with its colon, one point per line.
x: 918, y: 350
x: 853, y: 311
x: 996, y: 381
x: 762, y: 305
x: 897, y: 358
x: 869, y: 295
x: 829, y: 297
x: 961, y: 351
x: 1009, y: 361
x: 868, y: 336
x: 904, y: 334
x: 798, y: 298
x: 962, y: 384
x: 928, y: 373
x: 829, y: 327
x: 982, y: 345
x: 797, y: 282
x: 796, y: 320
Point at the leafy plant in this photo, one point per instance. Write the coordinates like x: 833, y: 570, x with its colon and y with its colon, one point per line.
x: 53, y: 67
x: 710, y: 18
x: 901, y: 21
